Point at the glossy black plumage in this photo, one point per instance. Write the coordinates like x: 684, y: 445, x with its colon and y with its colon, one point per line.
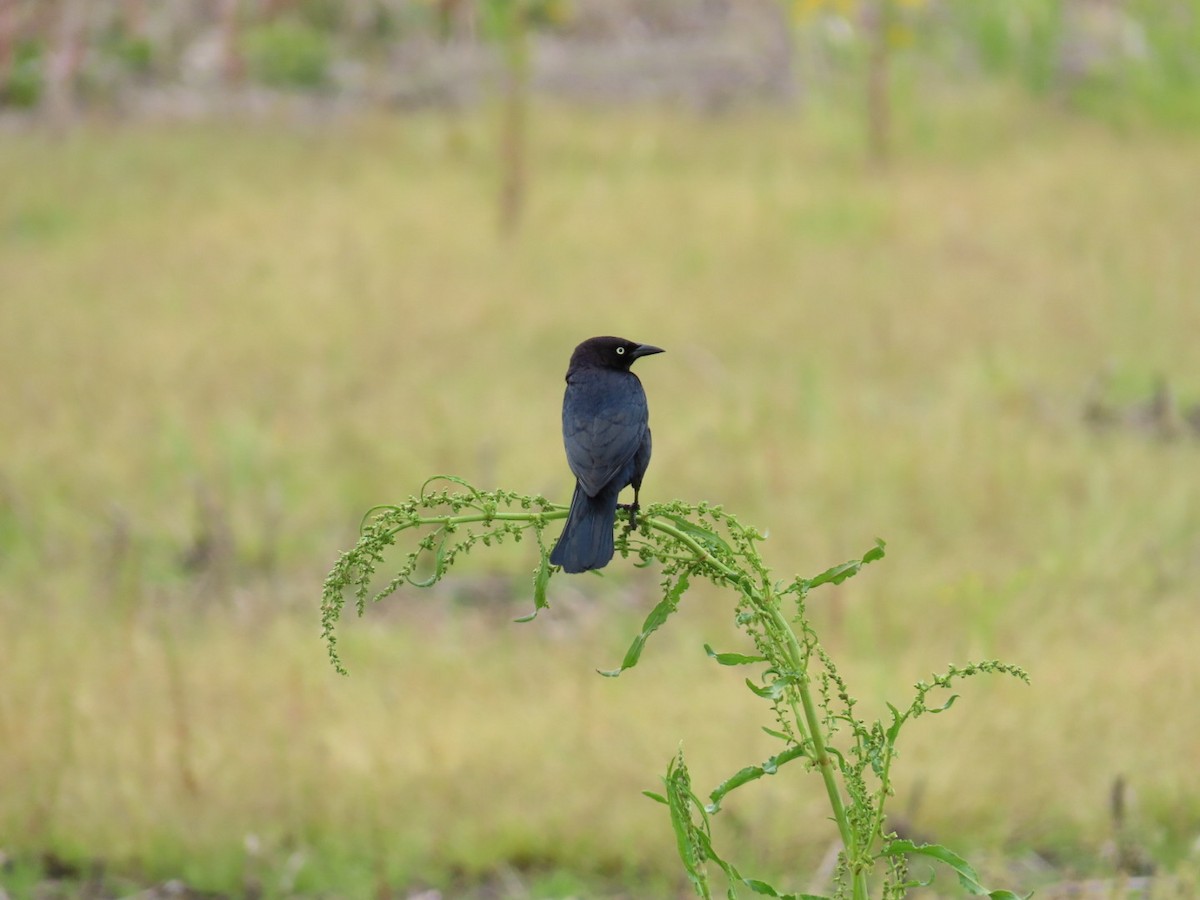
x: 606, y: 433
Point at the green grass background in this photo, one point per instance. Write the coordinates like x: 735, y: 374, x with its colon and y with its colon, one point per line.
x: 286, y: 326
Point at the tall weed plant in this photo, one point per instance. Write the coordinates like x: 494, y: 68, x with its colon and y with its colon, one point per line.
x: 812, y: 710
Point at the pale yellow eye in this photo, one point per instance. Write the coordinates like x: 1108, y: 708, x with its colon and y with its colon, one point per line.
x: 620, y: 351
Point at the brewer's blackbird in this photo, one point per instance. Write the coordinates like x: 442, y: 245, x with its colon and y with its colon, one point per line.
x: 607, y: 435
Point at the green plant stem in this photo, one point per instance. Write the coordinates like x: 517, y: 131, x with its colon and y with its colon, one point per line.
x: 824, y: 761
x: 885, y: 787
x: 693, y: 545
x: 560, y: 512
x: 454, y: 521
x: 768, y: 605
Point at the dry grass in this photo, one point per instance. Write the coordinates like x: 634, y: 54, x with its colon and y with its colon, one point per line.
x: 306, y: 324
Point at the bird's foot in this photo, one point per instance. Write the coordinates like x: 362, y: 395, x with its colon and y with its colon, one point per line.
x: 633, y: 508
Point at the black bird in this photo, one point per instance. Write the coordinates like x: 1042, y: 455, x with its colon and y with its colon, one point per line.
x: 607, y: 435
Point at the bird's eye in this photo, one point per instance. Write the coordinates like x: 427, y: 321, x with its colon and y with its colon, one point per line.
x: 620, y: 351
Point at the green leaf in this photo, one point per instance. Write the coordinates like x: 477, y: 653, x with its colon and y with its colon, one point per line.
x: 656, y: 797
x: 732, y: 659
x: 917, y: 882
x: 688, y: 836
x: 653, y: 622
x: 541, y: 578
x: 701, y: 535
x: 967, y: 876
x: 751, y: 773
x: 774, y: 690
x: 439, y: 564
x: 632, y: 655
x: 945, y: 706
x: 894, y: 729
x: 838, y: 574
x: 768, y: 692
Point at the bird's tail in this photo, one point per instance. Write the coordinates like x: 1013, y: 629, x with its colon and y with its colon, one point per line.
x: 586, y: 541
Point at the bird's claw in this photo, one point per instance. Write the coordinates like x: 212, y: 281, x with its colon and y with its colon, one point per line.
x: 633, y: 508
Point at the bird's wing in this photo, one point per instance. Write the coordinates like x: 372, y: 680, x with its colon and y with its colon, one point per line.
x: 601, y: 442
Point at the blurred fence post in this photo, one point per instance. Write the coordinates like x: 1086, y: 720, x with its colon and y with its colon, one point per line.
x: 877, y: 23
x: 8, y: 37
x: 133, y: 17
x: 513, y: 23
x: 63, y: 62
x: 232, y: 66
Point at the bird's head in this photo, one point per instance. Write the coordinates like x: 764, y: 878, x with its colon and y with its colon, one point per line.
x: 611, y: 352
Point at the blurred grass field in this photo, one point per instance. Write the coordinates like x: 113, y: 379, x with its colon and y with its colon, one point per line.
x: 221, y: 344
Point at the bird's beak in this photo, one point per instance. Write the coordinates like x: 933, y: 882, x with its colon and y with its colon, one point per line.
x: 646, y: 350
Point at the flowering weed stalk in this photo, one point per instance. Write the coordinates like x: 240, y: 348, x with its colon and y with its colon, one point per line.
x: 812, y: 710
